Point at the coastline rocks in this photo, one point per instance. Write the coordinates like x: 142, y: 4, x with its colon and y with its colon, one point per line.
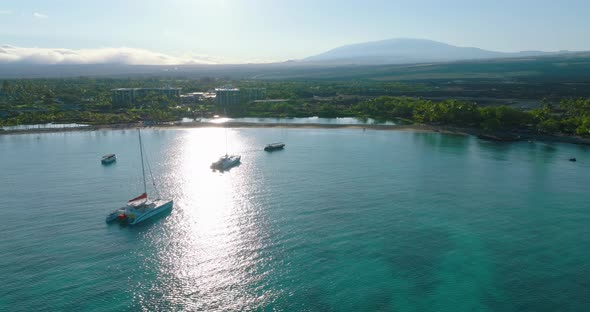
x: 500, y: 138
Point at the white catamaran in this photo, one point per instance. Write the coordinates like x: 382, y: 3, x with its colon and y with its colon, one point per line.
x: 141, y: 207
x: 226, y: 162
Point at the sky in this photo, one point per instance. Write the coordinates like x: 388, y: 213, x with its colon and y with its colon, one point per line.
x: 222, y: 31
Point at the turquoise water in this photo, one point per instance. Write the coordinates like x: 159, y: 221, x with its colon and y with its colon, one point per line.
x: 341, y: 220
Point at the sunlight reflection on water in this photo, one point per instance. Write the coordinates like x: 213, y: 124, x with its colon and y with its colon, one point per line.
x: 210, y: 255
x: 341, y: 220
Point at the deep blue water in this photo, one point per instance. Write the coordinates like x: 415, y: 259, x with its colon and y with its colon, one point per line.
x: 341, y: 220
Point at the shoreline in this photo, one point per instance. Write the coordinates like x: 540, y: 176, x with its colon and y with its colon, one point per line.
x: 192, y: 125
x: 505, y: 137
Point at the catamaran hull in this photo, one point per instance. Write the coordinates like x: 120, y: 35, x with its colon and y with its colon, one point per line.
x: 226, y: 163
x: 163, y: 207
x: 230, y: 164
x: 112, y: 217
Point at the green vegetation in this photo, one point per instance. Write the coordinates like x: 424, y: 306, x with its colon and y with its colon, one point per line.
x: 448, y: 112
x: 88, y: 100
x: 571, y: 117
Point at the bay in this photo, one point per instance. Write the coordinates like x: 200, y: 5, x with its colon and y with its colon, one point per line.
x: 342, y: 219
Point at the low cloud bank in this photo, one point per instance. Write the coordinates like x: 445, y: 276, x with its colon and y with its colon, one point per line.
x: 128, y: 56
x: 40, y: 15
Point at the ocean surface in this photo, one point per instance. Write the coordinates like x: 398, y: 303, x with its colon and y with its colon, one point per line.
x: 341, y: 220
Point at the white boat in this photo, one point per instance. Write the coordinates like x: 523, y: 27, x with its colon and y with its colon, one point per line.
x: 108, y: 159
x: 141, y: 207
x: 226, y: 162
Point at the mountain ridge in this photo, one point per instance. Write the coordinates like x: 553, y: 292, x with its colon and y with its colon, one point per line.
x: 410, y: 50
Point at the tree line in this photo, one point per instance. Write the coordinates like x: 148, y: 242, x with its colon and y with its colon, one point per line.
x: 571, y: 116
x: 88, y: 100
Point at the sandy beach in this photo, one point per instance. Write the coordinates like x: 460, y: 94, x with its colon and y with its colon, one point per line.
x: 189, y: 125
x: 531, y: 137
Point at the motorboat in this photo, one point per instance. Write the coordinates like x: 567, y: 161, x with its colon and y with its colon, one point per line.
x: 108, y: 159
x: 226, y: 162
x: 274, y: 147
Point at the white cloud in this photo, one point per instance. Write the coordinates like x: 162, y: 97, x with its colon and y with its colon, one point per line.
x: 130, y: 56
x: 40, y: 15
x: 5, y: 12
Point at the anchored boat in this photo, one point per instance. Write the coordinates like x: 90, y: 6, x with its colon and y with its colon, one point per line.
x: 226, y: 162
x: 274, y: 147
x: 140, y: 208
x: 108, y: 159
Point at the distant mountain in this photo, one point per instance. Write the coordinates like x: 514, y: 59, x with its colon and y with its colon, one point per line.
x: 573, y: 66
x: 407, y: 51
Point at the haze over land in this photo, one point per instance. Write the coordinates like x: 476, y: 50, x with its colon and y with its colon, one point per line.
x: 406, y: 51
x: 129, y: 56
x: 17, y: 62
x: 391, y: 51
x: 268, y: 31
x: 322, y: 57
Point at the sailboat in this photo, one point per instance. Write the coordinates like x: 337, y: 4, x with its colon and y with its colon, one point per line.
x: 140, y: 208
x: 227, y: 161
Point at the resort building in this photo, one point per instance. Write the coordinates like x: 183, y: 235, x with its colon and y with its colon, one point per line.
x: 230, y: 96
x: 196, y: 97
x: 227, y: 96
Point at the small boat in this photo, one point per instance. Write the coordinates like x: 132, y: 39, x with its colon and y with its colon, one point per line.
x: 274, y: 147
x: 573, y: 159
x: 140, y: 208
x: 500, y: 138
x: 108, y: 159
x: 226, y: 162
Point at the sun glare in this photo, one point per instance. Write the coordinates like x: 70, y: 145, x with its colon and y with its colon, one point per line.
x: 218, y: 236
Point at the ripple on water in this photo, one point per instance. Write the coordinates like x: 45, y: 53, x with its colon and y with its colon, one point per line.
x: 340, y: 220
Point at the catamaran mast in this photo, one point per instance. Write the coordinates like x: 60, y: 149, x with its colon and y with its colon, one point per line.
x: 142, y: 166
x: 225, y: 128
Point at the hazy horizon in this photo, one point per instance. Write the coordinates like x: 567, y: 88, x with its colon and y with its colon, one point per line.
x: 239, y: 31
